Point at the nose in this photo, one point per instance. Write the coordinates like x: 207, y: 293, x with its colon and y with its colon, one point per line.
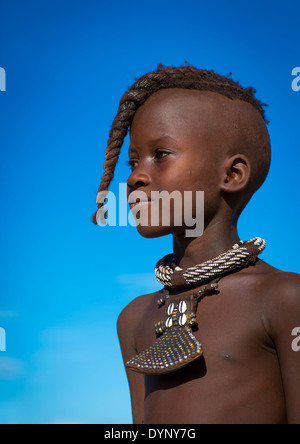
x: 138, y: 179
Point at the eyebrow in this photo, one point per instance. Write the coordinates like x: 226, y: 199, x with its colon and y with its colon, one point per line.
x: 152, y: 141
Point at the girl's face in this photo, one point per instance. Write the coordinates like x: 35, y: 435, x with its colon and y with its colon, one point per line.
x: 175, y: 145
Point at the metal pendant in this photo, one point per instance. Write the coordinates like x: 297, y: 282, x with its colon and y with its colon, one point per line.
x: 177, y: 346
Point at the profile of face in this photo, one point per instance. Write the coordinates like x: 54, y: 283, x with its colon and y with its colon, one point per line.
x: 187, y: 140
x: 175, y: 146
x: 172, y: 149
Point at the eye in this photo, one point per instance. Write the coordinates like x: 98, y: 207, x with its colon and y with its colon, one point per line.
x: 131, y: 164
x: 161, y: 154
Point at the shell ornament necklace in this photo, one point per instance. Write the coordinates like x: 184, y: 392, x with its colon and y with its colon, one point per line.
x: 176, y: 345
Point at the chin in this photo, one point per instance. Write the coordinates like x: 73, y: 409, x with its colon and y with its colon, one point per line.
x: 152, y: 232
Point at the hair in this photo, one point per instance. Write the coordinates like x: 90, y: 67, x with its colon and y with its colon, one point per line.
x: 186, y: 77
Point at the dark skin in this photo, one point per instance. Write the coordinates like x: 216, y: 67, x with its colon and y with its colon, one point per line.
x: 249, y: 373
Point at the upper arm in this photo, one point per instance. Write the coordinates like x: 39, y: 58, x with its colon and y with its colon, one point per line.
x: 125, y: 327
x: 285, y: 319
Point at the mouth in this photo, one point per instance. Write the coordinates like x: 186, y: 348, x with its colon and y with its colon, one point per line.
x: 140, y: 203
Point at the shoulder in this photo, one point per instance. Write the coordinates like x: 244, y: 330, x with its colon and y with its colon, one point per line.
x: 275, y: 292
x: 280, y: 296
x: 129, y: 318
x: 135, y: 310
x: 276, y: 285
x: 273, y: 279
x: 285, y: 291
x: 281, y: 284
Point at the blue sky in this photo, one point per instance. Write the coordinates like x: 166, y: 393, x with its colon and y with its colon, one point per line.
x: 63, y: 281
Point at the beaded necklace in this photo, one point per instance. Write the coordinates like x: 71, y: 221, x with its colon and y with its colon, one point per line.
x: 176, y: 345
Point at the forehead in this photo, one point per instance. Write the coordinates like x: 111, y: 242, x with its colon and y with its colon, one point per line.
x: 180, y: 113
x: 199, y: 118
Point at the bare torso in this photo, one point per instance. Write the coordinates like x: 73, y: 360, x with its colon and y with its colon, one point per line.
x: 238, y: 378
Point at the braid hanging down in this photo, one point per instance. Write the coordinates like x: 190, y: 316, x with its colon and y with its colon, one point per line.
x: 186, y: 77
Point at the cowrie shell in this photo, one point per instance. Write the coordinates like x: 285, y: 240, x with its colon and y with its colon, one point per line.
x: 182, y: 307
x: 169, y: 322
x: 182, y: 320
x: 170, y: 309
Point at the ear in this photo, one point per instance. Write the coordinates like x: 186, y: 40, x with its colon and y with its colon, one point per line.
x: 237, y: 173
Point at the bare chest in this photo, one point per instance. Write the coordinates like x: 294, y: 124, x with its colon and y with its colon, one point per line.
x: 237, y: 356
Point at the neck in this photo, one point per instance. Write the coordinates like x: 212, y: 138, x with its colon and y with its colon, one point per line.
x: 215, y: 240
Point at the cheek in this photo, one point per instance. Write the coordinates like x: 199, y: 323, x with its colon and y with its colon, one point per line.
x: 207, y: 180
x: 205, y: 177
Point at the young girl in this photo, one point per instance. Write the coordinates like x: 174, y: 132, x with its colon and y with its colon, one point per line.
x: 215, y: 344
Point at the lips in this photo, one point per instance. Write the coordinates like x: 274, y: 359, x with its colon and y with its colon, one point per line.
x: 140, y: 203
x: 138, y: 198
